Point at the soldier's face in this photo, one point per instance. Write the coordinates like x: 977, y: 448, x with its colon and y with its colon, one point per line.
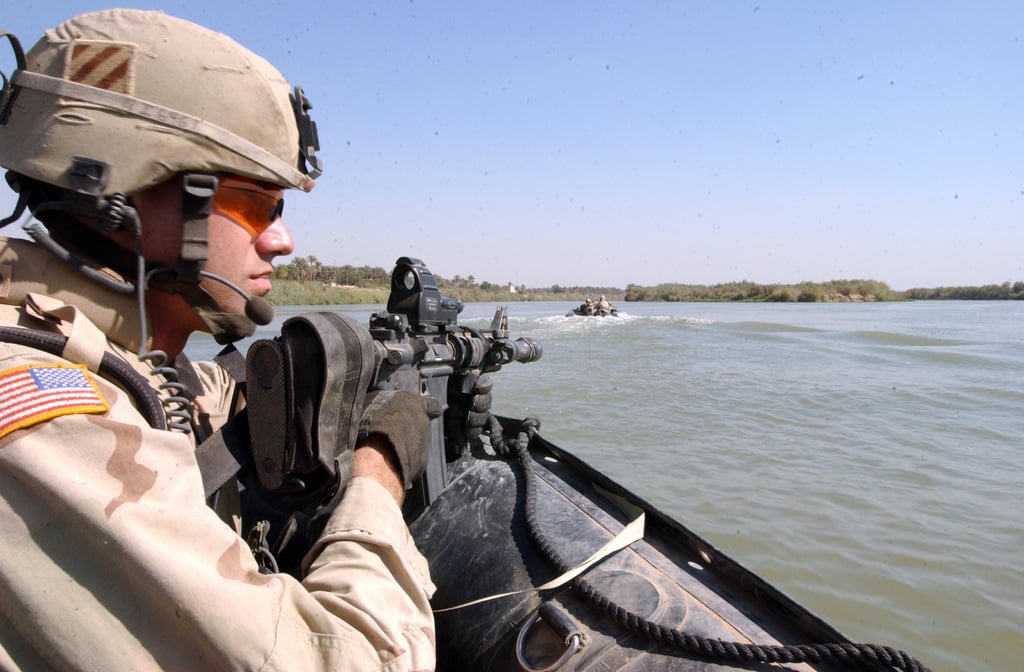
x: 244, y: 237
x: 244, y: 240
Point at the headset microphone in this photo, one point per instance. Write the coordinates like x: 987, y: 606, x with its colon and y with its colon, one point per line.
x: 257, y: 308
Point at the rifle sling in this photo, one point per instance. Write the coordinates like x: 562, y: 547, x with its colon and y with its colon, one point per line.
x: 224, y: 453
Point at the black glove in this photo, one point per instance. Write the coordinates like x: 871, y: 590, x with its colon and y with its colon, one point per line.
x: 403, y: 419
x: 469, y: 408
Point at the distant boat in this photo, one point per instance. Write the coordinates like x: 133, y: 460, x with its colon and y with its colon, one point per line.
x: 586, y: 310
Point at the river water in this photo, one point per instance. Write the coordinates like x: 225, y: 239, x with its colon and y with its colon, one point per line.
x: 866, y: 459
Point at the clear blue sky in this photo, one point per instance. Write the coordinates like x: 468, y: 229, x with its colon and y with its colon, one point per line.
x: 600, y: 143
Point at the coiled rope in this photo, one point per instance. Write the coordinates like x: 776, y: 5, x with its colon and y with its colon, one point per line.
x: 849, y: 653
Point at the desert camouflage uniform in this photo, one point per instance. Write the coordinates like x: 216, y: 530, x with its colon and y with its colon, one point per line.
x: 113, y: 561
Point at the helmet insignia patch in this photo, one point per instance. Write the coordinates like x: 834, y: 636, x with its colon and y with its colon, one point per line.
x: 104, y: 65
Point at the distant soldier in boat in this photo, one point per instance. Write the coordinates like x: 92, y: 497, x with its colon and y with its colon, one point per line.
x: 603, y: 308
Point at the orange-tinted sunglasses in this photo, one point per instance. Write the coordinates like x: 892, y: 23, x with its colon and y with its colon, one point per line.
x: 248, y: 203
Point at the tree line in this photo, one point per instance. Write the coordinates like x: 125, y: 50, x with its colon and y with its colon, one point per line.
x: 1005, y: 291
x: 307, y: 281
x: 835, y: 290
x: 311, y: 269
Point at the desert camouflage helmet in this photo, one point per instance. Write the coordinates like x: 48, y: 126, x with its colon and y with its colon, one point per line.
x: 152, y: 96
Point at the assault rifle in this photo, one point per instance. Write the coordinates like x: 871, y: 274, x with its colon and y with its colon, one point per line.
x: 292, y: 425
x: 421, y: 348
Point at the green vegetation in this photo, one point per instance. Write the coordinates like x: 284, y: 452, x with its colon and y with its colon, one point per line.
x: 296, y: 293
x: 836, y: 290
x: 983, y: 293
x: 308, y: 282
x: 310, y: 269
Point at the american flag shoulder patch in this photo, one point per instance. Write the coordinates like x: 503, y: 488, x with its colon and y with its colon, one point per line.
x: 35, y: 392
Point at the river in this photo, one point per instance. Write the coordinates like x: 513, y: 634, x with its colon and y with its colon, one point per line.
x: 864, y: 458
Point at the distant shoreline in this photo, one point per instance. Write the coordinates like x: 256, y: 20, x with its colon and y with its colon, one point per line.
x: 317, y: 293
x: 307, y: 281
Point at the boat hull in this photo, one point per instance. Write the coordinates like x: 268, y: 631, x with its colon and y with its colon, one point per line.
x: 477, y: 539
x: 576, y: 312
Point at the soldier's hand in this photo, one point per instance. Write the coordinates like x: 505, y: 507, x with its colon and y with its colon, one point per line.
x: 402, y: 418
x: 469, y: 407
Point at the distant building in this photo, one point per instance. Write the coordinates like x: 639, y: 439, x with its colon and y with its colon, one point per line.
x: 511, y: 288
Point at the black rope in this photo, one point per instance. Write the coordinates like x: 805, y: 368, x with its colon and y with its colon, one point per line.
x: 675, y: 639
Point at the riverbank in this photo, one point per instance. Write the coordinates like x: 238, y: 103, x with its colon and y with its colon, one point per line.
x: 317, y: 293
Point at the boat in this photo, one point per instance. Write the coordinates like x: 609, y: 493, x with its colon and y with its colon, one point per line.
x: 508, y: 523
x: 589, y: 311
x: 543, y: 563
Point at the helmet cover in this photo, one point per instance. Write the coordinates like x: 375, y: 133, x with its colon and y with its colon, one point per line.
x: 152, y: 96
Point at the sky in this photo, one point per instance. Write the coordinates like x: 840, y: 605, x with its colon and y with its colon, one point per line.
x: 590, y: 143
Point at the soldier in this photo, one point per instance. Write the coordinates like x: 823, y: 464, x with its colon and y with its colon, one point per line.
x: 154, y: 154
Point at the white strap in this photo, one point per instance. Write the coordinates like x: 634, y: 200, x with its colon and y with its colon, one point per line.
x: 632, y: 532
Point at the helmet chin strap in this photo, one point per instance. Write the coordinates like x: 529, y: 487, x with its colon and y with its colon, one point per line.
x: 114, y: 213
x: 225, y: 327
